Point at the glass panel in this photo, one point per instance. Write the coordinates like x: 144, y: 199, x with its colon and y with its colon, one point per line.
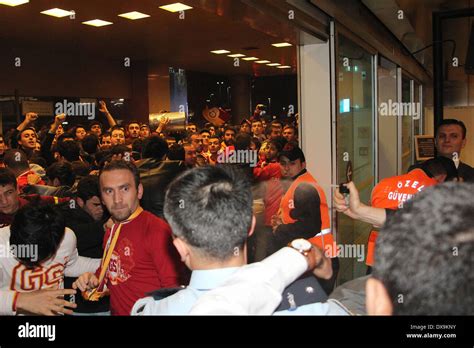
x: 387, y: 122
x: 416, y: 100
x: 354, y: 142
x: 407, y: 124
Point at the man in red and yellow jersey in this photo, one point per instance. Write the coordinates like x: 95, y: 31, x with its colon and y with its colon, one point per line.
x: 303, y: 210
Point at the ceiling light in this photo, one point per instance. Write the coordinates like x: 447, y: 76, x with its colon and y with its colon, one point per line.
x: 97, y: 23
x: 13, y: 2
x: 262, y: 62
x: 134, y: 15
x: 282, y: 44
x: 274, y: 64
x: 284, y: 67
x: 250, y: 58
x: 177, y: 7
x: 238, y: 55
x: 58, y: 13
x: 220, y: 52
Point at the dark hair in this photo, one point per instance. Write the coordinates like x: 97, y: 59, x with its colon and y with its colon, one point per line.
x: 15, y: 159
x: 210, y: 208
x: 64, y: 136
x: 88, y: 187
x: 115, y: 128
x: 176, y: 153
x: 205, y: 131
x: 229, y: 128
x: 123, y: 165
x: 80, y: 169
x: 70, y: 150
x: 76, y: 128
x: 440, y: 166
x: 39, y: 226
x: 119, y: 149
x: 154, y: 147
x: 242, y: 141
x: 18, y: 137
x: 452, y: 121
x: 62, y: 171
x: 90, y: 144
x: 93, y: 123
x: 425, y: 253
x: 137, y: 147
x: 7, y: 177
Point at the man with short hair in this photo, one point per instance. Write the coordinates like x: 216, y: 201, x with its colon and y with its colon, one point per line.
x: 105, y: 141
x: 229, y: 138
x: 189, y: 155
x: 205, y: 134
x: 213, y: 154
x: 95, y: 127
x: 133, y: 131
x: 80, y: 132
x: 139, y: 244
x: 16, y: 161
x: 51, y: 255
x: 289, y: 133
x: 144, y: 131
x: 210, y: 234
x: 258, y: 131
x: 191, y: 127
x: 450, y: 139
x: 117, y: 136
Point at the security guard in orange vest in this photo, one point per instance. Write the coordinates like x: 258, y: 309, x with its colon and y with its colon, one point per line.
x: 303, y: 209
x: 391, y: 193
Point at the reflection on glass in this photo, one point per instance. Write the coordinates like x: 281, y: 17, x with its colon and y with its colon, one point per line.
x: 407, y: 124
x: 354, y: 142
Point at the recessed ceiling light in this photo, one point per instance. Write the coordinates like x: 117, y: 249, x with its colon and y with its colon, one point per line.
x: 237, y: 55
x: 282, y: 44
x: 284, y: 67
x: 250, y: 58
x: 274, y: 64
x: 13, y: 2
x: 57, y: 12
x: 220, y: 51
x: 262, y: 62
x: 177, y: 7
x: 97, y: 23
x: 134, y: 15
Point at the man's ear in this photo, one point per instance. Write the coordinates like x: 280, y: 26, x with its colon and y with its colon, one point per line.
x: 463, y: 144
x: 252, y: 226
x: 183, y: 249
x: 140, y: 191
x: 80, y: 202
x: 377, y: 300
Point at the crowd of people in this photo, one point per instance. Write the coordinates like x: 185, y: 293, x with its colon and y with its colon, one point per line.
x: 140, y: 220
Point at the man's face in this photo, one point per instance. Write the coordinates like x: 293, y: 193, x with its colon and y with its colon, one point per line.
x: 229, y: 137
x: 3, y: 147
x: 117, y: 137
x: 245, y: 128
x: 289, y: 134
x: 119, y: 193
x: 449, y: 140
x: 80, y: 133
x: 38, y: 146
x: 144, y: 132
x: 212, y: 131
x: 28, y: 139
x: 94, y: 208
x: 257, y: 128
x: 289, y: 168
x: 105, y: 143
x: 9, y: 202
x: 134, y: 130
x: 170, y: 142
x: 196, y: 140
x: 205, y: 138
x: 276, y: 132
x: 190, y: 155
x: 95, y: 129
x: 59, y: 130
x: 191, y: 128
x: 214, y: 145
x: 270, y: 152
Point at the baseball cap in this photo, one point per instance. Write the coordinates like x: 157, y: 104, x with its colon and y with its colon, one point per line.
x: 292, y: 152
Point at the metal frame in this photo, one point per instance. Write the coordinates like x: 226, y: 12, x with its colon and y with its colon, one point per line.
x: 399, y: 122
x: 375, y: 115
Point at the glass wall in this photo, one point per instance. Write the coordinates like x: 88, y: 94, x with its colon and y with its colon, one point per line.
x: 354, y: 141
x: 407, y: 124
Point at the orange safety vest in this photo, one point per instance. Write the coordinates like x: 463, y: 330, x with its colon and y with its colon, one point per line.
x: 391, y: 193
x: 323, y: 239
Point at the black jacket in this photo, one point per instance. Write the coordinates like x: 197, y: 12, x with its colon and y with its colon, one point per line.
x: 155, y: 177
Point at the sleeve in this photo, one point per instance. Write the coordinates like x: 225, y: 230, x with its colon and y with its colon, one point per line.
x: 307, y: 214
x: 167, y: 262
x: 6, y: 302
x: 256, y: 288
x: 267, y: 172
x: 76, y: 264
x: 46, y: 152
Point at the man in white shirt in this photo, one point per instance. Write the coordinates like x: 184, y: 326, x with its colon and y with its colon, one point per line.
x: 210, y: 212
x: 37, y: 251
